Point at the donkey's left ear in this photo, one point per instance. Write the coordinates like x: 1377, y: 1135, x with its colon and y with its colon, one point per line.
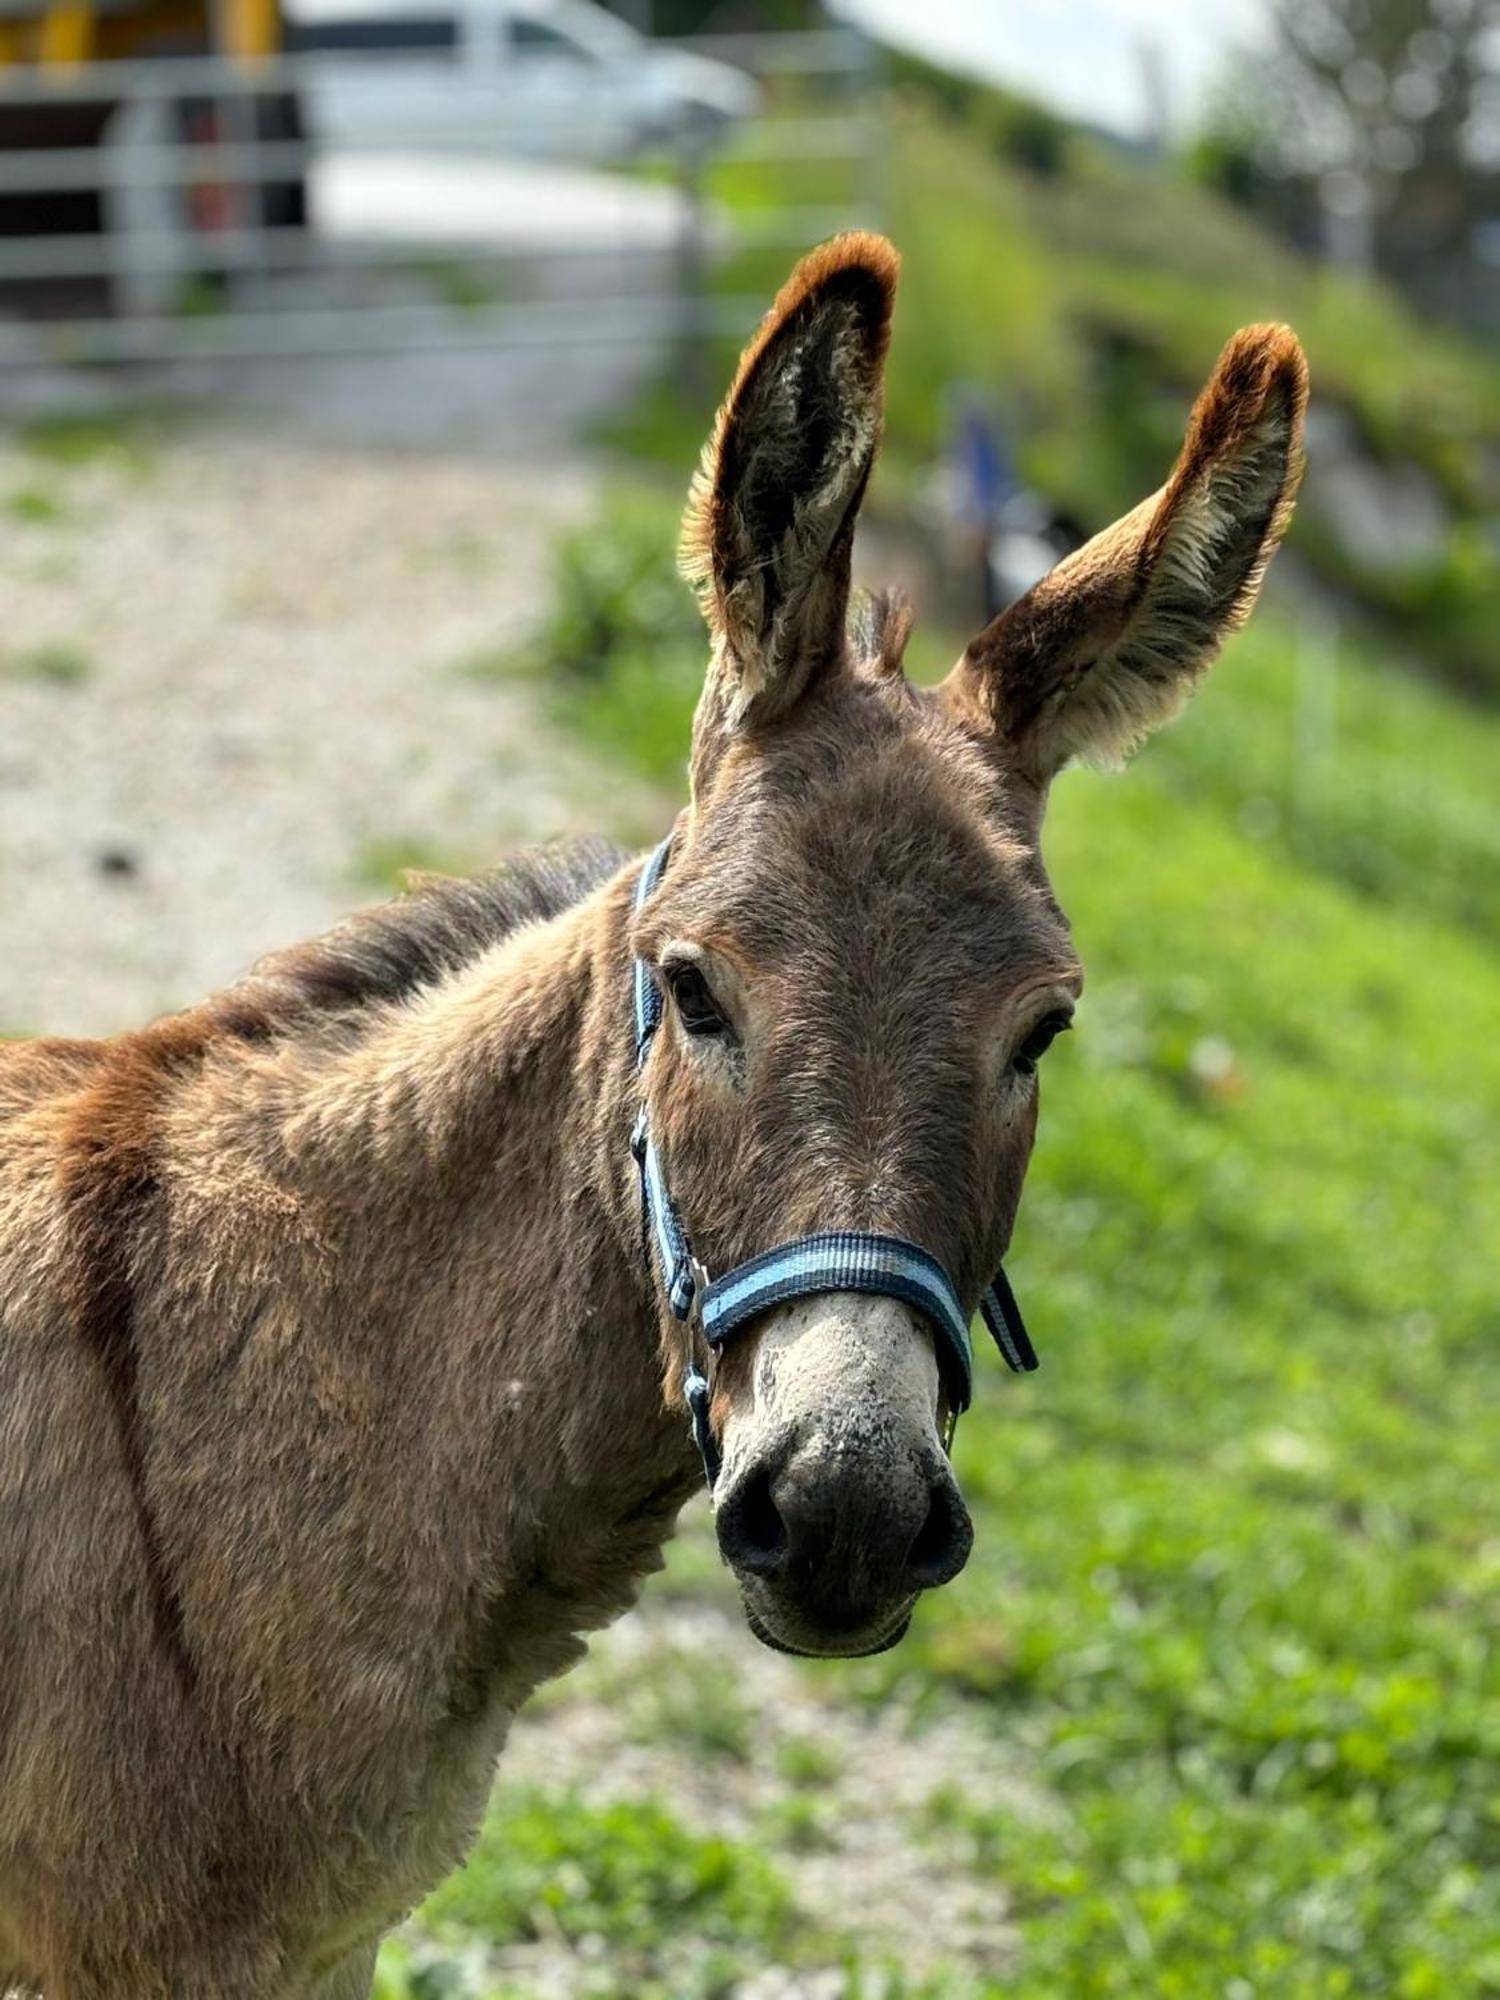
x: 770, y: 521
x: 1113, y: 640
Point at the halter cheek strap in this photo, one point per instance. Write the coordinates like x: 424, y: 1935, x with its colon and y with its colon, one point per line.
x: 833, y: 1260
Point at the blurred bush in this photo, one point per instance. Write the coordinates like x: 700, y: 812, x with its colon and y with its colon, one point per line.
x: 1087, y: 292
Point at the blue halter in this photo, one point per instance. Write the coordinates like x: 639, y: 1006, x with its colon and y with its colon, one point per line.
x: 833, y: 1260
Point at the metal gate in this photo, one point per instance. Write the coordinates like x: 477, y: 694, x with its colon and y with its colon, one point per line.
x: 211, y: 218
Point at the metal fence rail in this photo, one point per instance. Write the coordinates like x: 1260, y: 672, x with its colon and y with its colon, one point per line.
x: 189, y: 258
x: 818, y: 52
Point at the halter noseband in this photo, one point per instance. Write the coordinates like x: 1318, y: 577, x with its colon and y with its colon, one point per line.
x: 833, y: 1260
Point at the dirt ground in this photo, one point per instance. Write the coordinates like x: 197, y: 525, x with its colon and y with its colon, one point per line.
x: 236, y: 692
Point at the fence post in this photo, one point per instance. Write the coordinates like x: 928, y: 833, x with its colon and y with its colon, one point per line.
x: 137, y: 204
x: 870, y: 80
x: 244, y: 32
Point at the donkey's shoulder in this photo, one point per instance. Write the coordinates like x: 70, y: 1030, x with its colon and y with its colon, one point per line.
x: 34, y: 1072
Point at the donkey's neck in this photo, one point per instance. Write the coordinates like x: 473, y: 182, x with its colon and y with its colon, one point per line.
x: 436, y: 1249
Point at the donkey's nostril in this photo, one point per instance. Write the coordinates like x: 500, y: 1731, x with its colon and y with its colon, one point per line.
x: 942, y: 1543
x: 752, y: 1533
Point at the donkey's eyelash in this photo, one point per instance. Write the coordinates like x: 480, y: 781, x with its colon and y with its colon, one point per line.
x: 697, y: 1009
x: 1038, y: 1039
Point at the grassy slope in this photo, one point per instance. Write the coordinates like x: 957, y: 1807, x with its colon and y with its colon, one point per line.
x: 1090, y: 302
x: 1234, y: 1601
x: 1236, y: 1585
x: 1240, y: 1577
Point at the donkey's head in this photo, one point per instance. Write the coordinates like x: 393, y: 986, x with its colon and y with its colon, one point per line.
x: 864, y: 960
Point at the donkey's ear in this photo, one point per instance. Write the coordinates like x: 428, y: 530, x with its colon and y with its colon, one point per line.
x: 770, y: 521
x: 1113, y: 640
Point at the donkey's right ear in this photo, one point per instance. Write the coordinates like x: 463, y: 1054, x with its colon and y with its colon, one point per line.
x: 770, y: 521
x: 1113, y: 640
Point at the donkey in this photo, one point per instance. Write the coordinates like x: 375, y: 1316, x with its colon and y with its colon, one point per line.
x: 338, y: 1393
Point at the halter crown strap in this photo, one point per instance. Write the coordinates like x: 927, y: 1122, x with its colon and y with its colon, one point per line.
x: 834, y: 1260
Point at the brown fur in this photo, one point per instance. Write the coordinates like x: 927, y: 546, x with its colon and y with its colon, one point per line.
x: 333, y: 1404
x: 271, y: 1583
x: 770, y: 520
x: 1110, y: 644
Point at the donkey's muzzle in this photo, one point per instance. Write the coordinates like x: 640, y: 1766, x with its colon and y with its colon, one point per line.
x: 831, y: 1547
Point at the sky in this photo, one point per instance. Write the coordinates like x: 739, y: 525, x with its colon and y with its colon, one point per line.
x: 1084, y: 56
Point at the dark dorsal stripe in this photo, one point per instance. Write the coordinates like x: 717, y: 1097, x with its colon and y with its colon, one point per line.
x: 108, y: 1175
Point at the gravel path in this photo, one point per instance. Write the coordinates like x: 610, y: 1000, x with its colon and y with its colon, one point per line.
x: 233, y: 689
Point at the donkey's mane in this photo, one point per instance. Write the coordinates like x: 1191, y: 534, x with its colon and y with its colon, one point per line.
x: 434, y: 929
x: 377, y: 957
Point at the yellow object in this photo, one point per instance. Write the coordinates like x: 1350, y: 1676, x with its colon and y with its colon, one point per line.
x: 247, y: 28
x: 67, y: 36
x: 70, y: 32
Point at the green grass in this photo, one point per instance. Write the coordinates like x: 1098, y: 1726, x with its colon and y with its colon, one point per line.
x: 387, y: 866
x: 120, y: 437
x: 35, y: 506
x: 59, y: 661
x: 621, y: 657
x: 1236, y: 1591
x: 653, y: 1911
x: 1087, y: 304
x: 1238, y: 1585
x: 461, y: 287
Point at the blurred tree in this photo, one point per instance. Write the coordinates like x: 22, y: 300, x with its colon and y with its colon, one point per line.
x: 1380, y: 120
x: 1022, y: 132
x: 1233, y: 150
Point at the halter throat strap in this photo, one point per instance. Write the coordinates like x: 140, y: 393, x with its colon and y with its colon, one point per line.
x: 833, y: 1260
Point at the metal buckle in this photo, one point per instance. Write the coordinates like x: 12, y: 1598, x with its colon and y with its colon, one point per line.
x: 701, y: 1283
x: 697, y: 1392
x: 698, y: 1382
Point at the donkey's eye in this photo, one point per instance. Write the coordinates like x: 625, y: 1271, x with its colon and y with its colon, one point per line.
x: 1037, y: 1043
x: 696, y: 1006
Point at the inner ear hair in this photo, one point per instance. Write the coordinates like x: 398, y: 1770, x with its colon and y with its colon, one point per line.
x: 770, y: 520
x: 1113, y: 640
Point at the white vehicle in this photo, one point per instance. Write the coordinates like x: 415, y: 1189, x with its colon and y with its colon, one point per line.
x: 536, y: 78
